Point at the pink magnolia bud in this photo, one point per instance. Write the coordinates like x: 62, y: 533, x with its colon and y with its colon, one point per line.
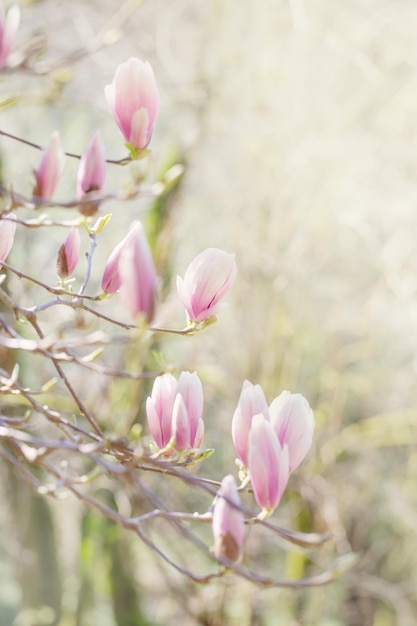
x: 133, y: 100
x: 50, y: 169
x: 159, y: 407
x: 68, y: 254
x: 251, y: 402
x: 111, y: 281
x: 175, y: 409
x: 91, y: 173
x: 138, y: 274
x: 228, y: 522
x: 7, y: 234
x: 9, y: 24
x: 268, y: 464
x: 293, y: 422
x: 207, y: 279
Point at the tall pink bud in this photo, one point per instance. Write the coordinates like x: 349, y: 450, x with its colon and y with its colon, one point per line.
x: 175, y: 409
x: 293, y: 422
x: 68, y: 254
x: 251, y: 402
x: 207, y: 279
x: 138, y: 274
x: 7, y: 235
x: 91, y: 173
x: 228, y: 522
x: 268, y: 464
x: 9, y: 23
x: 133, y: 100
x: 50, y: 169
x: 159, y: 408
x: 111, y: 281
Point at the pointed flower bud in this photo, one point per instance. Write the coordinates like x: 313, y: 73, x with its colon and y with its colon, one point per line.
x: 68, y: 254
x: 7, y: 234
x: 133, y: 100
x: 207, y: 279
x: 50, y: 169
x: 268, y: 464
x: 9, y: 23
x: 293, y: 422
x: 91, y: 173
x: 228, y: 522
x: 138, y: 274
x: 251, y: 402
x: 175, y: 409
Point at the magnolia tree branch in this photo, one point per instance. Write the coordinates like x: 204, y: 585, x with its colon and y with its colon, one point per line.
x: 53, y: 432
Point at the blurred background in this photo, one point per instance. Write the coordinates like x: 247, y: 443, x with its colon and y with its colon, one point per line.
x: 296, y: 123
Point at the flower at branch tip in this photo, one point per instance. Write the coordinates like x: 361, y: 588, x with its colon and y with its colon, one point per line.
x: 268, y: 463
x: 130, y: 267
x: 68, y: 254
x: 174, y: 411
x: 207, y: 279
x: 138, y: 274
x: 91, y: 173
x: 251, y: 402
x: 9, y: 23
x: 133, y: 100
x: 228, y: 522
x: 7, y: 234
x: 50, y: 169
x: 293, y: 422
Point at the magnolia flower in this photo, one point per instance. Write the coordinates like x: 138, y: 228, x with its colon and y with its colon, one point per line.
x: 207, y: 279
x: 130, y: 267
x: 293, y: 422
x: 50, y: 169
x: 9, y: 23
x: 251, y: 402
x: 133, y: 100
x: 175, y: 409
x: 138, y: 274
x: 228, y: 521
x: 7, y: 234
x: 91, y: 173
x: 68, y: 254
x: 268, y: 464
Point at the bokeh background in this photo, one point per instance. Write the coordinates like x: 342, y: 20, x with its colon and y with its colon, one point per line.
x: 296, y: 124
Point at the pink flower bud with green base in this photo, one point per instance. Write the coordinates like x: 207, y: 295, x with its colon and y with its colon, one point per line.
x: 7, y: 235
x: 251, y: 402
x: 133, y: 100
x: 91, y: 174
x: 138, y: 274
x: 293, y: 422
x: 68, y: 254
x: 268, y: 464
x: 174, y: 411
x: 228, y: 522
x: 207, y: 279
x: 9, y: 23
x: 50, y: 169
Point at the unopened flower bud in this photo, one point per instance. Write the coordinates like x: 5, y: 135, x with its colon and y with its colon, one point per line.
x: 50, y: 169
x: 228, y: 522
x: 68, y: 254
x: 133, y: 100
x: 91, y: 173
